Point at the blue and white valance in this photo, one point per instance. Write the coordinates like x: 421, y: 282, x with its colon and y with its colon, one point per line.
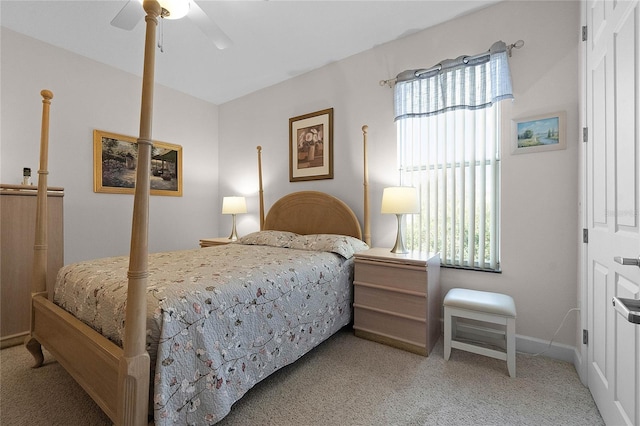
x: 467, y: 82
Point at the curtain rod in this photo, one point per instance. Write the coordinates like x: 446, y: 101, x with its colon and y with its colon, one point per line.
x: 517, y: 45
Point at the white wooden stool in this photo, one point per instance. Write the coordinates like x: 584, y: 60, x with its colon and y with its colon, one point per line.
x: 484, y: 306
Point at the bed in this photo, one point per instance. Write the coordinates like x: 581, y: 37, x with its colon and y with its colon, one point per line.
x: 222, y: 318
x: 189, y: 344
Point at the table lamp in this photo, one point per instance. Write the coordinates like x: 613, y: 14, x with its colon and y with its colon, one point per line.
x: 400, y: 200
x: 233, y: 206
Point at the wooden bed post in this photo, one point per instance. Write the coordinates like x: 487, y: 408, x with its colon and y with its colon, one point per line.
x: 367, y: 225
x: 40, y: 247
x: 260, y: 191
x: 133, y: 372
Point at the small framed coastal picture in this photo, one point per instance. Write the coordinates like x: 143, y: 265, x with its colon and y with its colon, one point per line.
x: 539, y: 133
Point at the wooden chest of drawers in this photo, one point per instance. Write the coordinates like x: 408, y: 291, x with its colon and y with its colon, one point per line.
x: 397, y: 299
x: 17, y: 238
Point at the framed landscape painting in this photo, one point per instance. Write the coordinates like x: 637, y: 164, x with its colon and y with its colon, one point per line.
x: 539, y: 133
x: 114, y: 165
x: 311, y: 146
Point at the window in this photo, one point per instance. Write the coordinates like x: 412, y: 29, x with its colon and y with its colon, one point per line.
x: 448, y: 134
x: 453, y: 160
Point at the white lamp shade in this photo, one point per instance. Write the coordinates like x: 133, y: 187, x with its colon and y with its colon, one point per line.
x: 400, y: 200
x: 177, y: 8
x: 234, y: 205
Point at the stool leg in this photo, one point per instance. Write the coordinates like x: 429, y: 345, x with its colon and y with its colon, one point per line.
x: 511, y: 346
x: 454, y: 327
x: 447, y: 333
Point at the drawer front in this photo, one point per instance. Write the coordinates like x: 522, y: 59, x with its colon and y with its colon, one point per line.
x: 403, y: 329
x: 389, y: 275
x: 394, y: 301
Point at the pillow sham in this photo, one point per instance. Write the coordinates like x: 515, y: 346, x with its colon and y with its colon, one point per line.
x: 268, y: 238
x: 343, y: 245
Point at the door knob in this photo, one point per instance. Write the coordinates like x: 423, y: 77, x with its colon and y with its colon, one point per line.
x: 627, y: 261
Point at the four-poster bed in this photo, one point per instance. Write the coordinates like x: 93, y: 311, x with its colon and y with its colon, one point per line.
x: 116, y: 370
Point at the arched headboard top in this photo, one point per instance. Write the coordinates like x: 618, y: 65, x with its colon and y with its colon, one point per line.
x: 312, y: 212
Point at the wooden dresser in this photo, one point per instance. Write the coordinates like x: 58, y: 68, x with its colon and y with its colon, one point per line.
x: 397, y: 299
x: 17, y: 238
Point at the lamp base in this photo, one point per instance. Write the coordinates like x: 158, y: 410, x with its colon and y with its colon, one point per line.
x: 234, y: 234
x: 399, y: 247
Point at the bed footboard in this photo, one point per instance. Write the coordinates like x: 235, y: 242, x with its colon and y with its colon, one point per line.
x: 91, y: 359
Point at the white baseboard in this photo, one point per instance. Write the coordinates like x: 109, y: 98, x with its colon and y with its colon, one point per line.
x: 531, y: 345
x: 525, y: 344
x: 581, y: 365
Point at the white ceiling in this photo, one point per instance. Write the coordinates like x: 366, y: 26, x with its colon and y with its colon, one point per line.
x: 272, y: 40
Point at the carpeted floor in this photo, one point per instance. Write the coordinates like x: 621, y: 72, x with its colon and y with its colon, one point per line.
x: 345, y: 381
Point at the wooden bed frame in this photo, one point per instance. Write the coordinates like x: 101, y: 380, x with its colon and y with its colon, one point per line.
x: 118, y: 378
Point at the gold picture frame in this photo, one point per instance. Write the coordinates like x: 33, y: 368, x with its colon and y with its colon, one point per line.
x: 114, y: 165
x: 311, y: 146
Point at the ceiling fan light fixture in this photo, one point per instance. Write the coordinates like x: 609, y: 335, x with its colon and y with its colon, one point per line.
x: 132, y: 13
x: 177, y: 8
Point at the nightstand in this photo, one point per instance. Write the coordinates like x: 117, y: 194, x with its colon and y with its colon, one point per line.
x: 397, y: 299
x: 208, y: 242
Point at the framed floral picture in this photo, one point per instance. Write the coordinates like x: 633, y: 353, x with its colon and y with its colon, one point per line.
x: 311, y: 146
x: 114, y: 165
x: 539, y: 133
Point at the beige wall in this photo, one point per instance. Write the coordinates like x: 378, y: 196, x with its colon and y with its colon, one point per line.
x: 539, y: 191
x: 540, y: 235
x: 87, y: 96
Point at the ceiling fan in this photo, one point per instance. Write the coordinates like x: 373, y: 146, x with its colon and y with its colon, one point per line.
x: 132, y: 13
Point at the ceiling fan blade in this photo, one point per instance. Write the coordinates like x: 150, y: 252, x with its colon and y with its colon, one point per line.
x: 208, y: 27
x: 129, y: 15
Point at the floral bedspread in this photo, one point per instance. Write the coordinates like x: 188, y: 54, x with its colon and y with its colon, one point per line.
x: 220, y: 319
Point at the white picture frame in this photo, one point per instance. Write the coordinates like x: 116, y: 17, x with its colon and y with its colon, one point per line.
x: 545, y: 132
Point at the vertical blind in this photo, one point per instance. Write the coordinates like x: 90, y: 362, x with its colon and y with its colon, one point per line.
x: 458, y: 182
x: 448, y: 131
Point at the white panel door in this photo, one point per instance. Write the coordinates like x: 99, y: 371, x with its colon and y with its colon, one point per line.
x: 612, y: 104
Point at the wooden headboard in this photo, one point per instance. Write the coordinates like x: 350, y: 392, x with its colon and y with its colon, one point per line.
x: 312, y: 212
